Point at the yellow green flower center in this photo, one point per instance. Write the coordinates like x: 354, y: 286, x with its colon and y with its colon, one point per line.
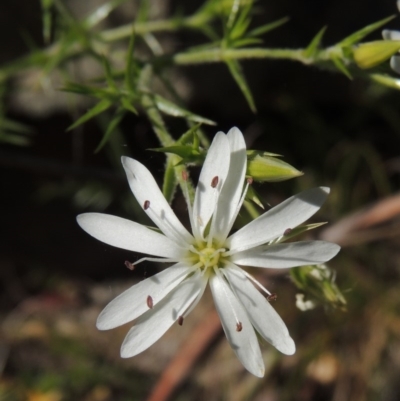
x: 206, y: 257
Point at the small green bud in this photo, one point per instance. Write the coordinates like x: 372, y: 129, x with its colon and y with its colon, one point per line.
x: 261, y: 166
x: 368, y: 55
x: 318, y: 284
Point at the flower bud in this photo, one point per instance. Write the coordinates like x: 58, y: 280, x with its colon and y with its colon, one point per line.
x: 262, y: 166
x: 368, y: 55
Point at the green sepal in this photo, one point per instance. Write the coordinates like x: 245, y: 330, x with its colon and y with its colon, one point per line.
x: 341, y: 67
x: 186, y: 152
x: 387, y: 80
x: 170, y: 182
x: 253, y: 196
x: 263, y: 167
x: 294, y: 232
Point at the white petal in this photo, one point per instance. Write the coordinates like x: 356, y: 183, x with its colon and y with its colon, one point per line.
x: 395, y: 64
x: 232, y: 190
x: 272, y: 224
x: 133, y: 302
x: 128, y: 235
x: 287, y: 255
x: 216, y: 164
x: 244, y: 343
x: 154, y: 323
x: 145, y: 189
x: 388, y: 34
x: 263, y: 316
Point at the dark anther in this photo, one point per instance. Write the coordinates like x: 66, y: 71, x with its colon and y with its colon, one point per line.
x: 129, y: 265
x: 180, y: 320
x: 214, y: 181
x: 146, y: 205
x: 272, y: 297
x: 184, y: 175
x: 250, y: 180
x: 239, y: 326
x: 287, y: 231
x: 150, y: 302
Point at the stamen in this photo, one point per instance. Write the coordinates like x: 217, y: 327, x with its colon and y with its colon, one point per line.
x: 149, y: 302
x: 250, y: 180
x: 251, y: 278
x: 214, y: 182
x: 180, y: 320
x: 184, y: 175
x: 160, y: 260
x: 287, y: 231
x: 129, y: 265
x: 239, y: 326
x: 272, y: 297
x: 146, y: 204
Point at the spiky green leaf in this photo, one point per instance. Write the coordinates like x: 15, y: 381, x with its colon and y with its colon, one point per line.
x: 115, y: 121
x: 237, y: 74
x: 100, y: 107
x: 171, y: 109
x: 312, y: 48
x: 357, y: 36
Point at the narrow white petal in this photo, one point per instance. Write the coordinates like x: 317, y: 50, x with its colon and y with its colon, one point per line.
x: 388, y: 34
x: 133, y: 302
x: 262, y: 315
x: 287, y: 255
x: 129, y: 235
x: 395, y: 64
x: 244, y: 343
x: 154, y: 323
x: 146, y: 191
x: 232, y: 190
x: 216, y: 164
x: 272, y: 224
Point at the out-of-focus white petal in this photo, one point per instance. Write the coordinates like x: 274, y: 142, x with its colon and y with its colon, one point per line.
x: 154, y: 323
x: 262, y: 315
x: 389, y: 34
x: 272, y: 224
x: 216, y: 164
x: 133, y: 302
x: 244, y: 343
x: 129, y: 235
x: 395, y: 63
x: 287, y: 255
x: 231, y: 192
x: 150, y: 197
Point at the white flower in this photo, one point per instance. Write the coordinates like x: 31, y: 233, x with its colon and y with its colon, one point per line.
x: 207, y: 255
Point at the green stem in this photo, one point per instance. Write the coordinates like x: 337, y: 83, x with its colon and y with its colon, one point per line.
x: 220, y: 55
x: 157, y: 122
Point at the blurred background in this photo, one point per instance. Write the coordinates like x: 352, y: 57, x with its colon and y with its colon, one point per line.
x: 55, y: 279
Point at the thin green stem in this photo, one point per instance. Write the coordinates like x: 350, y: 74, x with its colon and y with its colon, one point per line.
x: 157, y: 122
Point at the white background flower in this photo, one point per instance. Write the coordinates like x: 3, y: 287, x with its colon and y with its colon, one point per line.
x: 208, y: 255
